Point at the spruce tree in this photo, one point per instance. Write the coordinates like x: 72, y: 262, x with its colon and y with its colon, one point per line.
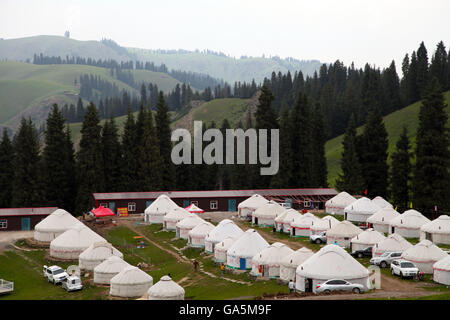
x: 319, y: 138
x: 282, y: 179
x: 350, y: 180
x: 431, y: 177
x: 70, y: 171
x: 112, y: 157
x: 89, y: 161
x: 401, y: 172
x: 7, y: 170
x: 423, y: 76
x: 439, y: 67
x: 130, y: 145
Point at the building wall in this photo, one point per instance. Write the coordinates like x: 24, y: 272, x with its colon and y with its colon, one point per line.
x: 14, y: 223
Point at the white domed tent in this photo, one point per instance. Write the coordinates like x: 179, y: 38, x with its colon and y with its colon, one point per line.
x: 330, y: 262
x: 58, y: 222
x: 265, y: 215
x: 165, y: 289
x: 96, y: 254
x: 342, y: 233
x: 225, y: 228
x: 393, y: 242
x: 437, y: 231
x: 156, y: 211
x: 73, y: 242
x: 105, y: 271
x: 283, y: 221
x: 337, y: 204
x: 241, y: 252
x: 131, y: 282
x: 424, y: 255
x: 196, y: 237
x: 301, y: 226
x: 381, y: 202
x: 220, y: 249
x: 186, y: 225
x: 174, y: 216
x: 324, y: 224
x: 290, y: 263
x: 367, y: 238
x: 441, y: 271
x: 408, y: 224
x: 382, y: 218
x: 249, y: 205
x: 360, y: 210
x: 267, y: 262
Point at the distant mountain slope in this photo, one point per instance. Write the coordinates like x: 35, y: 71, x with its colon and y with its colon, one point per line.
x: 394, y: 122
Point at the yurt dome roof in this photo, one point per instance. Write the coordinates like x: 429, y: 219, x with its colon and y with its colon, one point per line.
x: 131, y: 275
x: 100, y: 251
x: 381, y: 202
x: 424, y: 251
x: 162, y: 204
x: 305, y: 220
x: 58, y: 220
x: 362, y: 206
x: 383, y: 216
x: 410, y: 219
x: 331, y: 262
x: 224, y: 229
x: 202, y: 229
x: 439, y: 225
x: 394, y: 242
x: 325, y: 222
x: 443, y: 264
x: 226, y: 243
x: 177, y: 214
x: 344, y: 229
x: 249, y: 244
x: 297, y: 257
x: 269, y: 209
x: 165, y: 288
x: 288, y: 216
x: 77, y: 237
x: 254, y: 202
x: 113, y: 264
x: 190, y: 222
x: 273, y: 254
x: 342, y: 199
x: 369, y: 236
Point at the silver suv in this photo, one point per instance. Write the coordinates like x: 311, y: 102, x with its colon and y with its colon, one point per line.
x: 385, y: 259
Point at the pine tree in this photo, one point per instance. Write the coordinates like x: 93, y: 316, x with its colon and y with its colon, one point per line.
x: 90, y: 160
x: 423, y: 76
x: 439, y: 67
x: 70, y: 171
x: 282, y: 178
x: 26, y: 182
x: 319, y: 138
x: 7, y: 171
x: 350, y: 180
x: 112, y: 157
x: 165, y: 144
x: 130, y: 154
x: 431, y: 177
x: 401, y: 172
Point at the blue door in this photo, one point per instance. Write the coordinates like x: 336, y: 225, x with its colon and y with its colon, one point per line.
x: 148, y: 203
x: 242, y: 263
x: 112, y: 206
x: 25, y: 224
x: 232, y: 205
x: 185, y: 203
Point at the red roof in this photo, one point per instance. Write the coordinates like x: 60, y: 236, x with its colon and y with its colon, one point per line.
x: 102, y: 212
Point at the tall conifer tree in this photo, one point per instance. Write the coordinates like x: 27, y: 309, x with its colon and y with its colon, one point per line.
x: 7, y: 170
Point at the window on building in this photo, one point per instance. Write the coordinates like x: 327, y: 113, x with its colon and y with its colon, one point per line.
x: 131, y: 206
x: 195, y: 203
x: 307, y: 204
x: 213, y: 204
x: 3, y: 223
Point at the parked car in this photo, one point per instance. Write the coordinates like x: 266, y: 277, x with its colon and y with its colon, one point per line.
x: 72, y: 283
x: 318, y: 238
x: 339, y: 285
x: 367, y: 252
x: 385, y: 259
x: 403, y: 268
x: 55, y: 274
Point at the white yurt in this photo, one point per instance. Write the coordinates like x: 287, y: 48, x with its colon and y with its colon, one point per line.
x: 337, y: 204
x: 437, y: 231
x: 241, y: 252
x: 381, y: 202
x: 165, y: 289
x: 196, y: 237
x: 73, y: 242
x: 174, y: 216
x: 441, y: 271
x: 249, y: 205
x: 301, y: 226
x: 267, y: 262
x: 324, y: 224
x: 289, y: 264
x: 283, y: 221
x: 221, y: 248
x: 96, y: 254
x: 225, y: 228
x: 408, y: 224
x: 54, y: 225
x: 330, y: 262
x: 105, y: 271
x: 156, y: 211
x: 131, y: 282
x: 186, y: 225
x: 424, y: 255
x: 393, y: 242
x: 342, y: 233
x: 367, y: 238
x: 265, y: 215
x: 360, y: 210
x: 382, y: 218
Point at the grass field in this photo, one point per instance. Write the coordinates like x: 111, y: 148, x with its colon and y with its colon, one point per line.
x: 394, y: 122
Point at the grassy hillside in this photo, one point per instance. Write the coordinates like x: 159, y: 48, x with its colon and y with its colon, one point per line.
x: 394, y: 122
x: 27, y: 89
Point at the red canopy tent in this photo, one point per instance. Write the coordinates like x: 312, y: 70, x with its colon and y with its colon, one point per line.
x: 194, y: 209
x: 101, y: 212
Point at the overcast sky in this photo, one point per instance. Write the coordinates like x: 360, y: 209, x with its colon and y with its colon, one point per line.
x: 350, y: 30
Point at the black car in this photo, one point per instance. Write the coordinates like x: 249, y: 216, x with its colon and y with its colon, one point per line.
x: 367, y: 252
